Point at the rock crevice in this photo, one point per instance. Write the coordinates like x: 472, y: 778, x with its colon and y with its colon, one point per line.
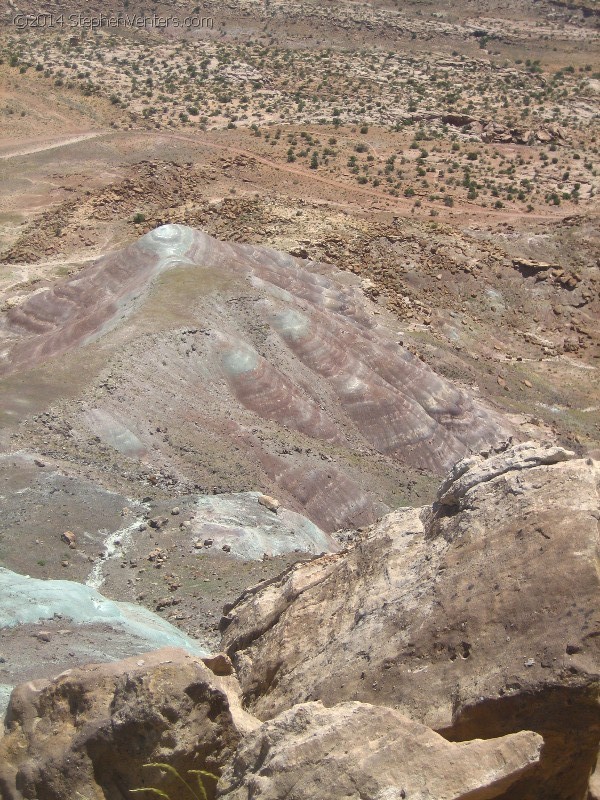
x: 479, y: 623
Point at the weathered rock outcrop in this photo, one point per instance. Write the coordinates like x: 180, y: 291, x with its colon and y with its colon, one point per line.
x: 88, y: 732
x: 354, y: 750
x: 477, y: 616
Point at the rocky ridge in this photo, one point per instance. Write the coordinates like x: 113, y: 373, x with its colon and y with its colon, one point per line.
x: 476, y: 616
x: 90, y: 730
x: 311, y: 751
x: 449, y: 652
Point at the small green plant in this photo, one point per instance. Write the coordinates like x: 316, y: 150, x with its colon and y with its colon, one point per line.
x: 197, y: 793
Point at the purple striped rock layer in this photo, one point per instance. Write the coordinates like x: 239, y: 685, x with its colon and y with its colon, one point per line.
x: 248, y: 365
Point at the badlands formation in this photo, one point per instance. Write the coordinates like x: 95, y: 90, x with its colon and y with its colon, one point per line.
x: 238, y: 410
x: 298, y: 400
x: 449, y: 652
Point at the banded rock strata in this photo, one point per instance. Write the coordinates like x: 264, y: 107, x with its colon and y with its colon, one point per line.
x: 239, y: 368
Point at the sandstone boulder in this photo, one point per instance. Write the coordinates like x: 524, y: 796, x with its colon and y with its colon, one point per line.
x: 477, y: 616
x: 470, y: 472
x: 88, y: 732
x: 269, y: 502
x: 356, y: 751
x: 220, y: 664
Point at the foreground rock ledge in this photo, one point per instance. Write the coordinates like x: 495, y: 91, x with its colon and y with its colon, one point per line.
x: 354, y: 751
x: 477, y: 616
x: 88, y: 732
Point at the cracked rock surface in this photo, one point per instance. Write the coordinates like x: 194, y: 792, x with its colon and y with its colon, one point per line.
x: 355, y: 750
x: 478, y: 619
x: 89, y: 731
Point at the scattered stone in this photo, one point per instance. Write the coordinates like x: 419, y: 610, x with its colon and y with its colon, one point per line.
x: 157, y: 555
x: 220, y: 664
x: 571, y: 345
x: 269, y: 502
x: 527, y: 265
x: 167, y: 602
x: 370, y: 288
x: 158, y: 522
x: 68, y: 537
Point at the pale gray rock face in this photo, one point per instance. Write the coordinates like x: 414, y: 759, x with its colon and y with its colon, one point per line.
x: 469, y: 472
x: 594, y: 788
x: 88, y: 732
x: 355, y: 751
x: 477, y: 616
x: 251, y: 528
x: 77, y: 625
